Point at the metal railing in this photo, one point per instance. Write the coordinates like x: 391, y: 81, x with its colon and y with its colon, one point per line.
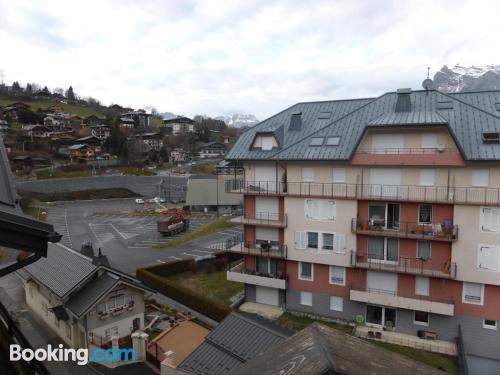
x: 262, y: 218
x: 407, y: 151
x: 445, y: 231
x: 461, y: 353
x: 279, y: 251
x: 242, y: 268
x: 409, y: 265
x: 431, y: 194
x: 106, y: 342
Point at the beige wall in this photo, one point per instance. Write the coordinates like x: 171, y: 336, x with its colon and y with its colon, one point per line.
x: 250, y: 169
x: 323, y: 171
x: 345, y: 210
x: 465, y: 250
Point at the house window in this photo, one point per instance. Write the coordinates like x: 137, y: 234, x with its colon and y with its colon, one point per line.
x: 421, y: 318
x: 308, y: 174
x: 68, y: 330
x: 383, y: 249
x: 306, y: 271
x: 312, y: 240
x: 319, y: 209
x: 489, y: 258
x: 490, y: 219
x: 425, y: 214
x: 421, y: 286
x: 490, y: 324
x: 424, y: 250
x: 306, y: 298
x: 480, y: 177
x: 337, y: 275
x: 429, y: 140
x: 327, y: 243
x: 339, y: 175
x: 267, y: 143
x: 336, y: 303
x: 427, y: 177
x: 473, y: 293
x: 266, y: 265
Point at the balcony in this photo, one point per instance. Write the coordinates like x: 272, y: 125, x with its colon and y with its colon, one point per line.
x: 374, y: 192
x: 259, y: 250
x: 408, y: 156
x: 267, y: 219
x: 241, y: 274
x: 443, y: 306
x: 435, y: 232
x: 414, y: 266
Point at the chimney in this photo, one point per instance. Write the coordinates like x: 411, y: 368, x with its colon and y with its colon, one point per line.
x: 403, y: 102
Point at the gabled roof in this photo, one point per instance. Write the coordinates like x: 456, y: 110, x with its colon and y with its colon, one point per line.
x: 318, y: 350
x: 466, y: 116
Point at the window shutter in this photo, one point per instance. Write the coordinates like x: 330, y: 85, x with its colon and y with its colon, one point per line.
x: 300, y: 240
x: 422, y: 286
x: 491, y: 219
x: 488, y: 258
x: 427, y: 177
x: 339, y: 175
x: 480, y: 177
x: 339, y: 243
x: 330, y: 210
x: 309, y: 209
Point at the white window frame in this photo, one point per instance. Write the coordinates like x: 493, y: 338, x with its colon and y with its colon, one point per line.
x: 477, y: 176
x: 300, y: 272
x: 316, y: 204
x: 487, y: 326
x: 330, y: 269
x: 482, y: 220
x: 418, y: 323
x: 427, y: 280
x: 430, y: 249
x: 480, y: 303
x: 385, y: 260
x: 339, y: 175
x: 309, y: 176
x: 338, y: 299
x: 301, y: 299
x: 339, y: 242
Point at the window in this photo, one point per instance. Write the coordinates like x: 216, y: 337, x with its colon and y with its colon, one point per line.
x: 266, y: 265
x: 480, y: 177
x: 327, y: 243
x: 336, y: 303
x: 383, y: 249
x: 490, y: 324
x: 473, y: 293
x: 333, y: 141
x: 425, y: 214
x: 421, y: 318
x: 337, y: 275
x: 490, y: 137
x: 320, y: 209
x: 68, y: 330
x: 338, y: 175
x: 488, y: 258
x: 306, y: 298
x: 490, y: 219
x: 423, y: 250
x: 421, y: 286
x: 267, y: 235
x: 429, y: 140
x: 312, y: 240
x: 306, y: 271
x: 308, y: 174
x: 267, y: 143
x: 300, y: 240
x: 427, y: 177
x: 317, y: 141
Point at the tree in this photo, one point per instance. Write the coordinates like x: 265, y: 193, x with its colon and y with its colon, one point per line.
x: 16, y: 88
x: 26, y: 116
x: 59, y: 91
x: 164, y: 154
x: 70, y: 94
x: 28, y: 90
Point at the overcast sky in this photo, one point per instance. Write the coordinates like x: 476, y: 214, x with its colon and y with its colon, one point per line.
x: 221, y: 57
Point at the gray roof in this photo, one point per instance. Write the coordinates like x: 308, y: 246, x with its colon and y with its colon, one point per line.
x: 237, y: 339
x: 62, y: 270
x: 466, y: 116
x: 92, y: 292
x: 319, y: 350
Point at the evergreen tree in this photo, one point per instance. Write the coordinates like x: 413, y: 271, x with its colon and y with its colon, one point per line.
x: 70, y: 94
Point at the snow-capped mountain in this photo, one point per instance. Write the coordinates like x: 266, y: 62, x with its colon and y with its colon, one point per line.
x: 238, y: 120
x: 473, y: 78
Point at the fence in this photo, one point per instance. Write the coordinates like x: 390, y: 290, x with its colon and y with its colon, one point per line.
x: 463, y: 368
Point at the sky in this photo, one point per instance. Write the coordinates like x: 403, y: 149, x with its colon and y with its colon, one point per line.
x: 222, y: 57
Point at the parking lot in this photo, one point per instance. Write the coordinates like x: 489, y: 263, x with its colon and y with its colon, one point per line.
x: 128, y: 239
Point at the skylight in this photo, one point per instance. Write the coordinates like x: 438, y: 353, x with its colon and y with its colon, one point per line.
x: 445, y: 105
x: 324, y: 115
x: 333, y: 141
x: 497, y: 106
x: 491, y: 137
x: 317, y: 141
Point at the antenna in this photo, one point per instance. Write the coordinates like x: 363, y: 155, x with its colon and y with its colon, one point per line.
x: 428, y: 84
x: 428, y: 71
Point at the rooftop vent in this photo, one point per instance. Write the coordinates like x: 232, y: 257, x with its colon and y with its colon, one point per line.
x: 324, y: 115
x: 403, y: 103
x: 491, y: 137
x: 446, y: 104
x: 296, y: 122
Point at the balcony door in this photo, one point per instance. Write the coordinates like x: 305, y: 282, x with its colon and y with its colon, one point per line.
x: 383, y: 250
x: 266, y: 265
x: 384, y: 215
x: 380, y: 316
x: 266, y: 208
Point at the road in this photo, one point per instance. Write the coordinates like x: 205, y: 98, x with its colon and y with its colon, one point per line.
x: 124, y: 237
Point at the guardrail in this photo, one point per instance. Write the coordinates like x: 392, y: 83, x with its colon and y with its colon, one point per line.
x: 409, y: 265
x: 431, y: 194
x: 444, y: 232
x: 407, y: 151
x: 279, y: 251
x: 242, y: 268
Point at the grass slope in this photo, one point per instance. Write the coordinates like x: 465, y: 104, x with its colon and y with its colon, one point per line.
x: 70, y: 108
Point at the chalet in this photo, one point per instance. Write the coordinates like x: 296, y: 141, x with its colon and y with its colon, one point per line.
x: 81, y: 152
x: 92, y: 120
x: 180, y: 125
x: 54, y: 121
x: 211, y: 149
x: 100, y: 131
x: 93, y: 142
x: 126, y: 123
x: 67, y: 135
x: 153, y: 140
x: 178, y: 155
x: 55, y: 109
x: 36, y: 131
x: 73, y: 121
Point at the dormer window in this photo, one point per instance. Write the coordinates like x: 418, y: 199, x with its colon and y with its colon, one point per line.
x: 491, y: 137
x: 265, y: 142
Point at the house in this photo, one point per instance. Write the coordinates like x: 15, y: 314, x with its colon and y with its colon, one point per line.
x: 126, y: 122
x: 55, y: 108
x: 140, y: 118
x: 54, y: 121
x: 92, y: 141
x: 381, y: 210
x: 36, y: 131
x: 212, y: 149
x: 153, y: 140
x: 73, y: 121
x: 87, y: 305
x: 92, y: 120
x: 208, y: 193
x: 100, y: 131
x: 81, y: 152
x: 180, y: 125
x: 178, y: 155
x: 4, y: 126
x: 65, y: 135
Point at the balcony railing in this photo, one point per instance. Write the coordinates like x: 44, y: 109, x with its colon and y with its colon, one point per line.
x: 406, y: 151
x: 279, y: 251
x: 262, y: 218
x: 439, y: 232
x: 240, y: 273
x: 414, y: 266
x: 106, y: 342
x: 403, y: 193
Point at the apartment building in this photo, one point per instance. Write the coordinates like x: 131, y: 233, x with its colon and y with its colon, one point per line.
x: 382, y: 210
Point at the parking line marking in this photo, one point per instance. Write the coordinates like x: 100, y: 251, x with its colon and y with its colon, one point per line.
x: 202, y: 251
x: 117, y: 231
x: 174, y: 257
x: 192, y: 255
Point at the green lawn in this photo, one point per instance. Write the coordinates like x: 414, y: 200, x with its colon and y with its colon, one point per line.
x: 38, y: 213
x: 70, y: 108
x: 213, y: 285
x: 48, y: 173
x: 204, y: 230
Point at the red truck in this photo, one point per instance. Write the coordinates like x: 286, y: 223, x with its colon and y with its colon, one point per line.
x: 172, y: 225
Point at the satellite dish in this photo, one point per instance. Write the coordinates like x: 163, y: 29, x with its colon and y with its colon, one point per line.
x: 428, y: 84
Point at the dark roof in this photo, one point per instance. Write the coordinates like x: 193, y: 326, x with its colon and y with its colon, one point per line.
x: 319, y: 350
x: 237, y: 339
x: 179, y: 120
x: 466, y: 116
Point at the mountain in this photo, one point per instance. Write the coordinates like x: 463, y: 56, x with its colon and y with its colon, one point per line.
x: 167, y: 115
x: 473, y: 78
x: 238, y: 120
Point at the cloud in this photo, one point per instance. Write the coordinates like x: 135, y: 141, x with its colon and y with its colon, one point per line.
x: 216, y: 57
